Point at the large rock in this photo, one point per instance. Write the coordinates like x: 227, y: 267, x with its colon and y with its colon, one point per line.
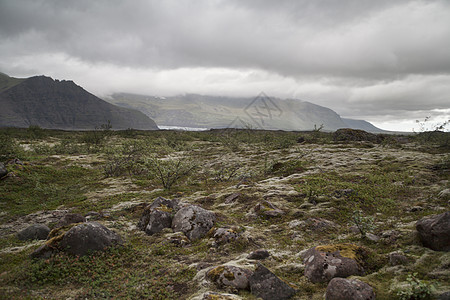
x: 434, y: 231
x: 349, y: 289
x: 323, y: 263
x: 70, y: 219
x: 158, y: 215
x: 268, y: 286
x: 193, y: 221
x: 86, y: 237
x: 232, y: 276
x: 34, y: 232
x: 3, y: 170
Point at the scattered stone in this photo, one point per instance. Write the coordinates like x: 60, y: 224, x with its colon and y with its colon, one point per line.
x: 178, y: 238
x: 323, y: 263
x: 320, y: 225
x: 391, y: 236
x: 230, y: 276
x: 259, y: 254
x: 218, y: 296
x: 232, y: 197
x: 396, y: 259
x: 225, y: 235
x: 193, y: 221
x: 158, y: 215
x: 415, y: 209
x: 92, y: 215
x: 3, y: 170
x: 268, y: 209
x: 34, y: 232
x: 354, y: 229
x: 268, y: 286
x: 372, y: 237
x: 434, y: 231
x: 301, y: 140
x: 343, y: 193
x: 70, y: 219
x: 349, y: 289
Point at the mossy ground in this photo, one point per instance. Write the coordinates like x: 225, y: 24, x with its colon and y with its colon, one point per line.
x: 395, y: 183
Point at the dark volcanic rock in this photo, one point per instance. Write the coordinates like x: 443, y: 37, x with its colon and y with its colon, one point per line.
x: 84, y: 238
x: 349, y: 289
x: 323, y: 263
x: 58, y: 104
x: 268, y: 286
x: 434, y: 231
x: 34, y: 232
x: 193, y: 221
x: 70, y: 219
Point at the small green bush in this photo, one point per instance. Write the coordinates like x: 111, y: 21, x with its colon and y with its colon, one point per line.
x: 416, y: 289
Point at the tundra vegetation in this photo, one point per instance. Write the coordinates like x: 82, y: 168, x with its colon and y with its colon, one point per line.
x: 285, y: 192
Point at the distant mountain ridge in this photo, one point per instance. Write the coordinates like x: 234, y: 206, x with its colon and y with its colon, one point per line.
x: 262, y: 112
x: 55, y: 104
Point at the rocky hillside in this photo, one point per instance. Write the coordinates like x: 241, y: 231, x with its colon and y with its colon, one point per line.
x: 262, y: 112
x: 50, y: 103
x: 224, y: 214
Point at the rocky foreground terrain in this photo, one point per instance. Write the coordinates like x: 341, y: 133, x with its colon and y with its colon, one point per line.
x: 229, y: 214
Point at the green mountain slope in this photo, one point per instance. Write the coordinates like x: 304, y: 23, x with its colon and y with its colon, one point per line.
x: 261, y: 112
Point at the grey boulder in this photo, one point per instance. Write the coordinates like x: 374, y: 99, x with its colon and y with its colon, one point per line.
x: 87, y: 237
x: 349, y: 289
x: 434, y: 231
x: 230, y: 276
x: 193, y: 221
x: 34, y: 232
x: 268, y: 286
x: 323, y: 263
x: 158, y: 215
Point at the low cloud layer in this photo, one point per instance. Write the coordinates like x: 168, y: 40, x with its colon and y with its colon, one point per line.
x: 384, y: 61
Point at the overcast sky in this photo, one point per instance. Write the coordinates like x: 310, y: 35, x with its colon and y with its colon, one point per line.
x: 387, y: 62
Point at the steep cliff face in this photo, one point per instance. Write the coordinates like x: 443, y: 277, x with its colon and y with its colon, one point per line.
x: 58, y: 104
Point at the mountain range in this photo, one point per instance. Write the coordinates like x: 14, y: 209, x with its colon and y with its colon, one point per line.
x: 261, y: 112
x: 55, y: 104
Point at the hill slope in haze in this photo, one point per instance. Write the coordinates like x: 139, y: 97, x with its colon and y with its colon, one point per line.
x: 262, y: 112
x: 58, y: 104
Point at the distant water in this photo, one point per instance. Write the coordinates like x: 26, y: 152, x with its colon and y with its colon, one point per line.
x: 182, y: 128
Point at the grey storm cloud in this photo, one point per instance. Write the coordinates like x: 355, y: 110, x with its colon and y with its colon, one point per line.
x: 373, y: 57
